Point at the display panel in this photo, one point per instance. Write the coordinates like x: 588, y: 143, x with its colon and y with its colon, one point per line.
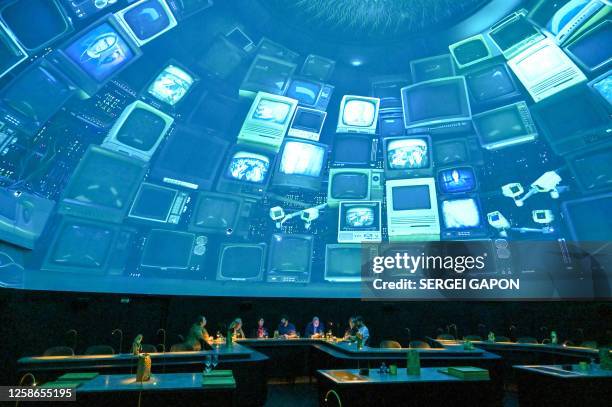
x: 457, y: 180
x: 603, y: 86
x: 491, y: 85
x: 290, y: 259
x: 11, y: 52
x: 592, y: 50
x: 146, y: 20
x: 267, y: 74
x: 241, y: 262
x: 358, y: 114
x: 300, y: 165
x: 353, y: 150
x: 505, y: 126
x: 171, y: 85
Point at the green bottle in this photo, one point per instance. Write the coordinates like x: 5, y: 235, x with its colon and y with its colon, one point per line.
x: 229, y: 340
x: 554, y: 339
x: 414, y: 363
x: 491, y: 337
x: 605, y: 362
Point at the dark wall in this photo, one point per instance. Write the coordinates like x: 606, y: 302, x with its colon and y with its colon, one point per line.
x: 34, y: 321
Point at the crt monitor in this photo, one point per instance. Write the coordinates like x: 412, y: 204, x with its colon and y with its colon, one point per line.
x: 169, y: 250
x: 388, y: 90
x: 505, y: 126
x: 359, y: 222
x: 470, y: 51
x: 247, y: 171
x: 267, y: 74
x: 354, y: 150
x: 11, y: 52
x: 439, y: 105
x: 138, y: 131
x: 602, y: 86
x: 146, y: 20
x: 216, y: 213
x: 592, y: 168
x: 318, y: 67
x: 358, y: 114
x: 514, y: 33
x: 171, y: 85
x: 354, y: 184
x: 307, y: 123
x: 426, y: 69
x: 589, y: 219
x: 451, y: 152
x: 455, y: 180
x: 290, y: 259
x: 241, y: 262
x: 309, y: 93
x: 300, y: 165
x: 592, y: 50
x: 344, y: 263
x: 158, y: 204
x: 412, y: 210
x: 408, y: 156
x: 462, y: 218
x: 491, y: 85
x: 103, y: 185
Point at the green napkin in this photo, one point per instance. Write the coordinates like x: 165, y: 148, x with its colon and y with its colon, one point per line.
x: 78, y: 376
x: 60, y: 384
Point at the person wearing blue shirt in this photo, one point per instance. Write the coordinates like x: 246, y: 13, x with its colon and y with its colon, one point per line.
x: 314, y: 329
x: 286, y: 329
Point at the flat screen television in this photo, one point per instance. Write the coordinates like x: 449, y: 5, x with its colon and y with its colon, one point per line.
x: 318, y: 67
x: 360, y: 222
x: 310, y: 93
x: 408, y: 156
x: 470, y: 51
x: 437, y: 106
x: 307, y: 123
x: 290, y: 259
x: 300, y: 165
x: 592, y: 167
x: 191, y: 158
x: 267, y: 121
x: 169, y: 250
x: 171, y: 84
x: 457, y: 180
x: 345, y: 263
x: 358, y: 114
x: 158, y: 204
x: 138, y: 131
x: 585, y: 120
x: 412, y: 210
x: 241, y: 262
x: 592, y: 50
x: 505, y: 126
x: 247, y: 171
x: 514, y: 33
x: 267, y: 74
x: 102, y: 186
x: 146, y: 20
x: 216, y: 213
x: 354, y: 184
x: 462, y: 218
x: 451, y: 152
x: 354, y: 150
x: 96, y: 54
x: 491, y: 84
x: 11, y: 52
x: 49, y: 16
x: 426, y: 69
x: 602, y: 86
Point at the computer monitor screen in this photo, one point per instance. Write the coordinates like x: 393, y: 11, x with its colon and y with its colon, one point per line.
x: 153, y: 203
x: 241, y: 262
x: 216, y: 213
x: 451, y: 152
x: 501, y: 124
x: 305, y: 92
x: 410, y: 153
x: 348, y: 185
x: 272, y: 111
x: 589, y: 219
x: 142, y: 129
x: 603, y: 86
x: 100, y: 52
x: 268, y: 75
x: 302, y: 159
x: 470, y: 51
x: 171, y: 85
x: 80, y: 245
x: 343, y: 262
x: 513, y: 33
x: 290, y: 254
x: 456, y: 180
x: 593, y: 50
x: 359, y: 113
x: 461, y: 214
x: 413, y: 197
x: 593, y: 169
x: 435, y: 100
x: 167, y: 249
x: 308, y: 120
x: 491, y: 83
x: 11, y: 53
x: 148, y: 18
x: 352, y: 150
x: 250, y: 167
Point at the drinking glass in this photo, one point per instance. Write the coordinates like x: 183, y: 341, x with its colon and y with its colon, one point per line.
x: 207, y: 363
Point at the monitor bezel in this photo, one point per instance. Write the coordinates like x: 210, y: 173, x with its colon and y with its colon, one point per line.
x: 408, y: 173
x: 348, y: 128
x: 464, y: 141
x: 222, y: 250
x: 388, y: 81
x: 167, y: 268
x: 443, y: 58
x: 379, y: 224
x: 11, y: 42
x: 320, y: 84
x: 591, y: 85
x: 428, y: 219
x: 151, y: 186
x: 274, y: 242
x: 570, y: 159
x: 447, y: 233
x: 489, y: 103
x: 250, y: 89
x: 565, y: 208
x: 193, y: 227
x: 120, y: 15
x: 443, y: 194
x: 306, y: 133
x: 225, y: 184
x: 361, y: 136
x: 313, y: 57
x: 297, y: 181
x: 531, y: 130
x: 568, y: 49
x: 333, y: 172
x: 160, y: 104
x: 329, y: 249
x: 521, y: 45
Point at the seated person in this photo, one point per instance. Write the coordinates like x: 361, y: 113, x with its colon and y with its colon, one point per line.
x: 286, y: 329
x: 236, y: 328
x: 351, y: 331
x: 198, y: 338
x: 314, y: 329
x: 362, y: 329
x: 261, y: 331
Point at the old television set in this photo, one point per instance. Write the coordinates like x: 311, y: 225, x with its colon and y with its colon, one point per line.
x: 239, y: 38
x: 505, y: 126
x: 11, y: 52
x: 171, y: 85
x: 348, y: 262
x: 318, y: 67
x: 307, y: 123
x: 388, y: 89
x: 426, y: 69
x: 273, y: 49
x: 96, y: 54
x: 146, y: 20
x: 592, y: 50
x: 359, y: 222
x: 514, y: 33
x: 592, y: 167
x: 138, y: 131
x: 191, y: 158
x: 544, y: 70
x: 457, y: 180
x: 267, y: 121
x: 49, y: 16
x: 354, y: 150
x: 247, y: 171
x: 438, y: 106
x: 241, y: 262
x: 23, y: 217
x: 470, y: 51
x: 158, y: 204
x: 408, y: 156
x: 490, y: 85
x: 602, y: 86
x: 412, y: 210
x: 451, y: 152
x: 34, y: 96
x: 462, y: 218
x: 103, y: 185
x: 354, y: 184
x: 391, y: 125
x: 300, y: 165
x: 290, y: 258
x: 171, y: 250
x: 573, y: 17
x: 184, y: 9
x: 222, y: 58
x: 88, y: 247
x: 267, y: 74
x: 217, y: 213
x: 585, y: 120
x: 358, y: 114
x: 310, y: 93
x: 215, y: 111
